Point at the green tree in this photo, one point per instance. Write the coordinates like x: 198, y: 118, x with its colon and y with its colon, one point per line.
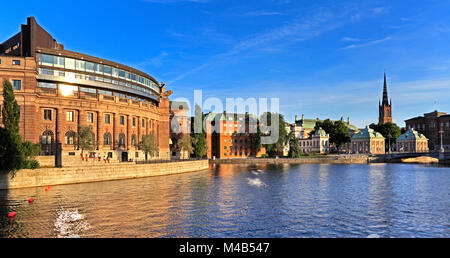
x: 14, y: 153
x: 198, y: 133
x: 294, y: 146
x: 278, y: 147
x: 86, y: 139
x: 389, y: 130
x: 337, y: 130
x: 148, y: 145
x: 184, y: 143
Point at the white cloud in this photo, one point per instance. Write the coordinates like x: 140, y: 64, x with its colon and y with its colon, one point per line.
x: 370, y: 43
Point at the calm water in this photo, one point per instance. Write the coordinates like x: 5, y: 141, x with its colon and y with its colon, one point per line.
x: 385, y: 200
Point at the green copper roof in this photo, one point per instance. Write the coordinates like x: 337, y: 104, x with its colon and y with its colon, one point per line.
x: 367, y: 133
x: 320, y: 132
x: 412, y: 134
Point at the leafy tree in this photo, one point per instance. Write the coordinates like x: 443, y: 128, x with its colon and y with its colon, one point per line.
x: 337, y: 130
x: 390, y: 131
x: 14, y: 153
x: 198, y: 133
x: 184, y: 143
x: 148, y: 145
x: 294, y: 147
x: 273, y: 149
x: 86, y: 139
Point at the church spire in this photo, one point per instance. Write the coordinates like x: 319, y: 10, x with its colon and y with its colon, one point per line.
x: 385, y: 94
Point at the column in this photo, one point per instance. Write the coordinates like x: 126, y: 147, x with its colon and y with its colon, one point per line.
x: 100, y: 131
x: 128, y: 136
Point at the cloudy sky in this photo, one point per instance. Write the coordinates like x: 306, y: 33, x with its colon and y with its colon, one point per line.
x: 320, y: 58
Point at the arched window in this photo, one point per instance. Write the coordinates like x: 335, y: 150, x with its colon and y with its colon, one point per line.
x: 133, y: 140
x: 69, y: 138
x: 47, y: 137
x: 387, y: 112
x: 107, y: 139
x: 121, y: 139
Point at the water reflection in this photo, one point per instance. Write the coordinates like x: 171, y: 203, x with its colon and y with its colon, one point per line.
x: 311, y: 200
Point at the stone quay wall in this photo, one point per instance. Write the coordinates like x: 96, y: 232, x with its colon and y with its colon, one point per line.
x: 83, y: 174
x: 350, y: 159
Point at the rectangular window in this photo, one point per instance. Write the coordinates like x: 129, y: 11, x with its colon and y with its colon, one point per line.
x: 16, y: 62
x: 143, y: 122
x: 70, y: 63
x: 98, y: 68
x: 122, y: 120
x: 17, y: 84
x: 47, y: 115
x: 107, y: 70
x: 115, y: 72
x: 90, y: 117
x: 105, y: 92
x: 69, y: 116
x: 133, y: 121
x: 58, y: 61
x: 121, y: 73
x: 107, y: 118
x: 90, y: 67
x: 48, y: 85
x: 46, y: 59
x: 79, y: 65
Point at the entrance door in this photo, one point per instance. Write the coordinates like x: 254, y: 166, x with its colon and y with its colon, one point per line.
x: 124, y: 156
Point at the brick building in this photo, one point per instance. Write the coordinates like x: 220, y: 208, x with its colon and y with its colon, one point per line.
x: 385, y: 108
x: 59, y: 90
x: 430, y: 125
x: 412, y: 141
x: 231, y: 136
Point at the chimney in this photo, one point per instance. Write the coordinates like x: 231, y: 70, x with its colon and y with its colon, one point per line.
x: 295, y: 118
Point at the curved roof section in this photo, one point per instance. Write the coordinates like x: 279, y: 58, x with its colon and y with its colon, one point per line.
x: 85, y: 57
x: 320, y: 132
x: 367, y: 133
x: 412, y: 134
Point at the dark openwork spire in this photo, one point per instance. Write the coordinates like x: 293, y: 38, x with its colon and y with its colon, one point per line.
x: 385, y: 94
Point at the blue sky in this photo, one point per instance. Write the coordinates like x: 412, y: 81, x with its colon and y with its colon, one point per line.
x: 320, y: 58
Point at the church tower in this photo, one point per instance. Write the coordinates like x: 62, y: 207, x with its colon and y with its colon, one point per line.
x: 385, y: 108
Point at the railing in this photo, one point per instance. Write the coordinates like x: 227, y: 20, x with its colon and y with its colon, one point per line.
x: 151, y: 161
x: 111, y: 98
x: 135, y: 102
x: 47, y: 91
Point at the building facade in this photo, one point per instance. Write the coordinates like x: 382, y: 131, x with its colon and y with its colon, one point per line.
x: 385, y: 108
x: 59, y: 90
x: 231, y: 136
x: 367, y: 141
x: 412, y: 141
x: 318, y: 142
x: 179, y: 126
x: 434, y: 126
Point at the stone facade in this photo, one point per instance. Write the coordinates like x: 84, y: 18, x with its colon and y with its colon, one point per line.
x: 83, y: 174
x: 430, y: 125
x: 412, y: 141
x: 367, y: 141
x: 319, y: 142
x: 57, y: 92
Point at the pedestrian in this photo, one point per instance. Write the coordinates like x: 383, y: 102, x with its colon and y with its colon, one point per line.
x: 82, y: 158
x: 86, y: 157
x: 104, y: 158
x: 99, y: 157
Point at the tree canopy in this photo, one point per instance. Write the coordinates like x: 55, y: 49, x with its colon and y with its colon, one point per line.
x: 148, y: 145
x: 337, y: 130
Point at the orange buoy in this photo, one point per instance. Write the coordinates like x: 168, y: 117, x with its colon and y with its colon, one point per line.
x: 12, y: 214
x: 31, y: 200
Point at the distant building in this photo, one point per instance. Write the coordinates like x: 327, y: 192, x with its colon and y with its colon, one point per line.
x: 412, y: 141
x: 430, y: 125
x: 304, y: 127
x: 231, y: 135
x: 367, y: 141
x: 385, y: 108
x: 179, y: 125
x: 319, y: 142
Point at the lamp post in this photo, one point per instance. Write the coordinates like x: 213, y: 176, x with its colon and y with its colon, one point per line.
x: 441, y: 151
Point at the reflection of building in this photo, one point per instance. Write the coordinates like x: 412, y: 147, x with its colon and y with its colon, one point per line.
x: 412, y: 141
x: 385, y: 108
x: 430, y: 125
x: 59, y: 90
x: 231, y: 136
x: 319, y: 142
x: 367, y: 141
x: 179, y: 126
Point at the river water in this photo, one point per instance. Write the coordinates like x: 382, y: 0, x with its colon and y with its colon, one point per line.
x: 377, y: 200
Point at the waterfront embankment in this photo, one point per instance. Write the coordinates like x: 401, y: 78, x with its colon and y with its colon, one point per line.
x: 72, y: 175
x: 325, y: 159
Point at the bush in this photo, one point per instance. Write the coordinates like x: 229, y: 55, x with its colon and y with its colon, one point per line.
x: 31, y: 164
